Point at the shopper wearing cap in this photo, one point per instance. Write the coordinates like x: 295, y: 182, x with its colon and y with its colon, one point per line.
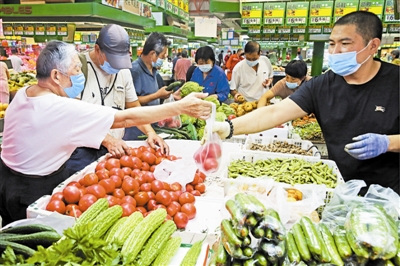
x: 356, y: 103
x: 109, y: 83
x: 296, y: 75
x: 45, y: 124
x: 251, y: 76
x: 143, y: 73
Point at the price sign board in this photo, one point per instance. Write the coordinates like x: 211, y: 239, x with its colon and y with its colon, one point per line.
x: 62, y: 30
x: 252, y: 14
x: 40, y: 30
x: 384, y: 28
x: 266, y: 38
x: 294, y: 37
x: 168, y: 6
x: 284, y: 37
x: 274, y: 13
x: 388, y: 13
x: 29, y: 30
x: 284, y: 29
x: 254, y: 30
x: 51, y: 29
x: 7, y: 29
x: 299, y: 29
x: 373, y: 6
x: 315, y: 29
x: 275, y: 37
x: 269, y: 29
x: 18, y: 29
x: 327, y: 29
x: 394, y: 28
x: 297, y: 13
x: 344, y: 7
x: 320, y: 12
x: 256, y: 37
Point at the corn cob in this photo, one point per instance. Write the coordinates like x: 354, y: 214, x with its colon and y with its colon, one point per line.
x: 105, y: 220
x: 93, y: 211
x: 127, y: 228
x: 168, y: 251
x: 140, y: 234
x: 155, y: 243
x: 192, y: 255
x: 109, y: 237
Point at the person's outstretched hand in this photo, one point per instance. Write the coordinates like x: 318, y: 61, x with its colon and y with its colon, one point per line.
x: 367, y: 146
x: 221, y: 128
x: 192, y: 105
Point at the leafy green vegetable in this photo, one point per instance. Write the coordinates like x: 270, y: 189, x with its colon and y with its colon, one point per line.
x: 190, y: 87
x: 188, y: 119
x: 226, y: 109
x: 9, y: 258
x: 200, y: 123
x: 220, y: 117
x: 200, y: 133
x: 213, y: 100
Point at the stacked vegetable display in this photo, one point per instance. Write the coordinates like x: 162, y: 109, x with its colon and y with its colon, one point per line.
x: 308, y: 128
x: 130, y: 183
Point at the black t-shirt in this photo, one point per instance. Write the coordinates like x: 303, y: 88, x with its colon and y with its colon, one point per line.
x: 345, y: 111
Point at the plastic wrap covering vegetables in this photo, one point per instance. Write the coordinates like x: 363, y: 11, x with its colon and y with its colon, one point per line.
x: 190, y: 87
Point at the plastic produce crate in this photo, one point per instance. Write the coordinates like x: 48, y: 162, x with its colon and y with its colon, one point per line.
x: 303, y: 144
x: 277, y: 132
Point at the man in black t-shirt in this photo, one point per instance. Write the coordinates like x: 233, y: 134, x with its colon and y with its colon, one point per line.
x: 356, y: 104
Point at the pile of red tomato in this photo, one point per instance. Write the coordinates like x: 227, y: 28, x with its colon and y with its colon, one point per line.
x: 130, y: 183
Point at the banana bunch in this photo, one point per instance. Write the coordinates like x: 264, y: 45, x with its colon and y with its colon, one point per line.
x: 19, y: 80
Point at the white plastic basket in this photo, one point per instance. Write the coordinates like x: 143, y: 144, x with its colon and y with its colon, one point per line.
x: 303, y: 144
x: 277, y: 132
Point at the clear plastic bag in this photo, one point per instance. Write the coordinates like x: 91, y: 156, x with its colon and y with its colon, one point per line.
x: 208, y: 156
x: 170, y: 122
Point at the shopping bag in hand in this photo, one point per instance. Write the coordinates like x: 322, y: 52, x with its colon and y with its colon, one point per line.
x: 170, y: 122
x: 208, y: 156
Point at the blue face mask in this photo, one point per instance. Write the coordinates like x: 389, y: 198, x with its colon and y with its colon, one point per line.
x: 291, y: 85
x: 345, y: 64
x: 78, y: 84
x: 205, y: 68
x: 158, y: 63
x: 108, y: 68
x: 252, y: 63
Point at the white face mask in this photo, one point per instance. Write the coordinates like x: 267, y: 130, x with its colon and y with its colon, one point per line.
x: 345, y: 64
x: 252, y: 63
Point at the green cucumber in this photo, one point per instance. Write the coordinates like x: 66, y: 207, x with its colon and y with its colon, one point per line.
x: 301, y: 243
x: 238, y: 217
x: 342, y: 245
x: 293, y: 252
x: 328, y: 240
x: 174, y: 85
x: 312, y: 237
x: 33, y: 240
x: 28, y: 229
x: 221, y: 255
x: 17, y: 248
x: 260, y: 259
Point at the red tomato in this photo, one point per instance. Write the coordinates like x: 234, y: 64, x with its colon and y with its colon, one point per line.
x: 179, y: 192
x: 163, y: 197
x: 202, y: 175
x: 145, y: 166
x: 82, y: 182
x: 73, y: 210
x: 108, y: 184
x: 112, y: 201
x: 75, y: 184
x: 160, y: 159
x: 96, y: 190
x: 167, y: 187
x: 57, y: 196
x: 159, y: 153
x: 149, y: 177
x: 117, y: 180
x: 177, y: 205
x: 136, y: 172
x: 176, y: 186
x: 168, y: 218
x: 56, y: 206
x: 141, y: 209
x: 186, y: 197
x: 156, y: 186
x: 86, y: 201
x: 141, y: 179
x: 82, y: 191
x: 112, y: 163
x: 100, y: 165
x: 212, y: 150
x: 195, y: 193
x: 130, y: 186
x: 151, y: 204
x: 150, y: 149
x: 230, y: 117
x: 117, y: 172
x: 189, y: 188
x: 141, y: 198
x: 126, y: 161
x: 152, y: 168
x: 201, y: 180
x: 174, y: 196
x: 145, y: 187
x: 172, y: 209
x: 172, y: 157
x: 134, y: 151
x: 71, y: 194
x: 210, y: 164
x: 102, y: 174
x: 127, y: 171
x: 181, y: 220
x: 201, y: 187
x: 158, y: 206
x: 148, y: 157
x: 129, y: 199
x: 137, y: 163
x: 119, y: 193
x: 90, y: 179
x: 151, y: 195
x: 189, y: 209
x: 195, y: 179
x: 142, y: 148
x: 127, y: 209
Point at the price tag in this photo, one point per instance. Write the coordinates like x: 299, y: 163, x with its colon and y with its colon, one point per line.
x: 168, y: 6
x: 266, y: 38
x: 373, y: 6
x: 29, y: 30
x: 284, y: 37
x: 274, y: 13
x: 62, y: 30
x: 254, y: 30
x: 344, y: 7
x: 275, y: 37
x: 293, y: 38
x: 327, y: 29
x: 297, y: 13
x: 321, y: 12
x: 389, y: 16
x: 315, y: 29
x: 269, y: 30
x: 40, y: 29
x: 251, y: 21
x: 51, y: 30
x: 8, y: 29
x: 284, y: 29
x: 394, y: 28
x: 18, y: 29
x: 299, y: 29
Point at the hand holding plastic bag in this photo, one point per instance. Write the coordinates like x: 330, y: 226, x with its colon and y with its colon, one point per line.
x: 208, y: 156
x: 170, y: 122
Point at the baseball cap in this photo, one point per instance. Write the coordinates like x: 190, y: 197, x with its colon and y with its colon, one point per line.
x: 114, y: 42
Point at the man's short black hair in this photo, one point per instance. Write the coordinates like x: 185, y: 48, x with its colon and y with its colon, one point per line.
x: 155, y: 42
x: 252, y: 47
x: 296, y: 69
x: 205, y: 53
x: 368, y: 25
x: 184, y: 54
